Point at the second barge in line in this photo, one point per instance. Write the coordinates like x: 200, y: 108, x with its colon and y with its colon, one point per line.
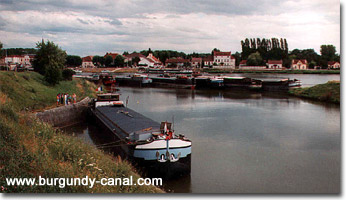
x: 143, y: 140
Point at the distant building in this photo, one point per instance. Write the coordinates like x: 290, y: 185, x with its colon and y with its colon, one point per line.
x: 130, y: 57
x: 111, y: 54
x: 196, y: 62
x: 144, y: 61
x: 176, y: 62
x: 153, y: 59
x: 274, y: 64
x: 224, y: 60
x: 242, y: 63
x: 14, y: 61
x: 299, y: 64
x: 2, y: 62
x: 245, y: 67
x: 333, y: 65
x: 87, y: 62
x: 208, y: 61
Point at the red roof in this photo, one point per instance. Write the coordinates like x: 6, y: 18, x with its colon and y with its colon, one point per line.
x: 13, y: 56
x: 152, y: 57
x: 111, y: 54
x: 149, y: 59
x: 208, y: 58
x: 177, y: 60
x: 302, y: 61
x: 196, y: 59
x: 243, y: 62
x: 87, y: 59
x: 332, y: 62
x: 222, y: 53
x: 275, y: 62
x: 133, y: 55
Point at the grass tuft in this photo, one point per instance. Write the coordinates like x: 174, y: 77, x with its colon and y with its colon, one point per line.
x: 328, y: 92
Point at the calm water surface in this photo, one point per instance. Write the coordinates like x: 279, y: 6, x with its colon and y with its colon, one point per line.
x: 308, y: 80
x: 246, y: 142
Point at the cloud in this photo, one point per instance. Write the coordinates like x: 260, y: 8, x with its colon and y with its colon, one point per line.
x: 126, y: 25
x: 37, y: 22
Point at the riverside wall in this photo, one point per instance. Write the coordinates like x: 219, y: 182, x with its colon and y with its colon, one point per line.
x: 65, y: 115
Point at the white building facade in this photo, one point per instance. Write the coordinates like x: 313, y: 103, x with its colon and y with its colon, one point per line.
x: 299, y: 64
x: 223, y: 60
x: 146, y: 62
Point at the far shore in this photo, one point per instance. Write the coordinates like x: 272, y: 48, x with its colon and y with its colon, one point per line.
x: 135, y: 70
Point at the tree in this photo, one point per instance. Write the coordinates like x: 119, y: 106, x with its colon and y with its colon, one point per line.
x: 312, y: 64
x: 67, y: 74
x: 129, y: 63
x: 1, y: 53
x: 215, y: 50
x: 254, y: 59
x: 119, y: 61
x: 108, y: 61
x: 237, y: 57
x: 308, y: 54
x: 273, y: 48
x: 99, y: 60
x: 49, y: 61
x: 18, y: 51
x: 328, y: 52
x: 73, y: 61
x: 52, y: 73
x: 136, y: 60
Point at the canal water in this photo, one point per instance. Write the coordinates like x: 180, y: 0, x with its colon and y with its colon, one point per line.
x: 308, y: 80
x: 245, y: 142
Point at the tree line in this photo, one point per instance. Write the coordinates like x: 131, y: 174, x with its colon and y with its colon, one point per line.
x: 17, y: 51
x: 50, y: 60
x: 259, y: 51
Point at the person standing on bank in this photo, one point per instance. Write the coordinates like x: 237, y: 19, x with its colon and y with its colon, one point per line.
x: 57, y: 99
x: 61, y: 98
x: 74, y: 98
x: 65, y: 99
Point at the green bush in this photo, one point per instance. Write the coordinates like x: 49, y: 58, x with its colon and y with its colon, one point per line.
x: 52, y: 75
x: 67, y: 74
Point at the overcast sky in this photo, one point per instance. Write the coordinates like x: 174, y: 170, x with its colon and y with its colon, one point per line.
x: 93, y: 27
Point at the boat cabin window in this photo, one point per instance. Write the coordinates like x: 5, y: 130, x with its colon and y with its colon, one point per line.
x: 108, y: 98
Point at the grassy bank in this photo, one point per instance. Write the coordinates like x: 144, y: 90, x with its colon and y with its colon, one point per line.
x: 30, y: 148
x: 328, y: 92
x: 273, y: 71
x: 29, y: 91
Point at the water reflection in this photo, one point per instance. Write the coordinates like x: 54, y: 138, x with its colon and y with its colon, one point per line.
x: 248, y: 142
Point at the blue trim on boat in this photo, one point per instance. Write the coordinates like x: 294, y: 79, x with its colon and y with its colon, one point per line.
x: 151, y: 153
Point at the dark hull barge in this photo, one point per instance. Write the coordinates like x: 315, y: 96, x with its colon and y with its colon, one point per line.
x: 148, y: 143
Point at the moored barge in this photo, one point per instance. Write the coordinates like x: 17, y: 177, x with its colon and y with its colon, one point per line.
x: 143, y: 140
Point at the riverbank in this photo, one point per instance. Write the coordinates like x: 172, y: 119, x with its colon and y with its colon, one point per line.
x: 110, y: 69
x: 328, y: 92
x: 272, y: 71
x: 30, y: 148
